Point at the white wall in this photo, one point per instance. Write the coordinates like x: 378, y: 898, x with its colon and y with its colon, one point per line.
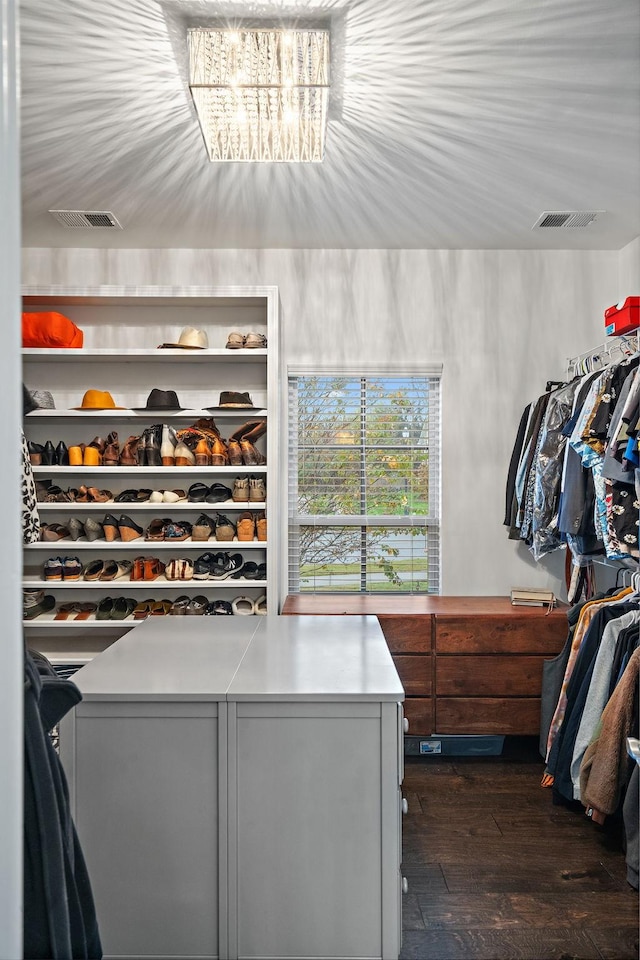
x: 11, y: 739
x: 501, y: 322
x: 629, y: 270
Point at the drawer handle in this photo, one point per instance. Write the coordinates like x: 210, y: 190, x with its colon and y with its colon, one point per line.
x: 405, y: 885
x: 405, y: 725
x: 405, y: 806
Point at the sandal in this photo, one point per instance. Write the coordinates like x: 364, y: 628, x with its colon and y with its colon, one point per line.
x: 155, y: 530
x: 54, y: 531
x: 143, y: 609
x: 179, y: 606
x: 243, y: 606
x: 86, y: 609
x: 177, y: 530
x: 260, y: 606
x: 161, y: 608
x: 94, y: 570
x: 65, y: 609
x: 114, y: 569
x: 255, y: 341
x: 197, y: 606
x: 123, y: 608
x: 153, y: 568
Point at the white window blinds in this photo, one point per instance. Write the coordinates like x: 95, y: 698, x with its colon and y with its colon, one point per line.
x: 364, y: 483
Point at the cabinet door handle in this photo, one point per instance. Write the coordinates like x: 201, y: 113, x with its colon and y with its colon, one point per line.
x: 405, y: 885
x: 405, y: 806
x: 405, y: 725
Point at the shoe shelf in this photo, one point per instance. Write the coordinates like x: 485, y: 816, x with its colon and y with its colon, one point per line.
x: 123, y: 583
x: 45, y: 470
x: 133, y: 355
x: 150, y: 546
x: 126, y: 507
x: 48, y: 621
x: 152, y: 415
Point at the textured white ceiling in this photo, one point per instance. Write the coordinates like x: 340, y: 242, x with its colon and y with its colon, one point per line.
x: 454, y: 124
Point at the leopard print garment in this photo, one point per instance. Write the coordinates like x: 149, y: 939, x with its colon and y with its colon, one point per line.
x: 30, y: 516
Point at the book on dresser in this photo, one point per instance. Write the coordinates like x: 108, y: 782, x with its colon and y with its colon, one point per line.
x: 532, y: 597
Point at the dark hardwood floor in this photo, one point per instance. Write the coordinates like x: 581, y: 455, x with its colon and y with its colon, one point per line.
x: 497, y: 872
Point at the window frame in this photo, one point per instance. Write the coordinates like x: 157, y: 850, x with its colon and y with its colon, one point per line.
x: 431, y: 522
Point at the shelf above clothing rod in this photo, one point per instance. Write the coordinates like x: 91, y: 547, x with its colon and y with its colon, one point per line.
x: 613, y: 349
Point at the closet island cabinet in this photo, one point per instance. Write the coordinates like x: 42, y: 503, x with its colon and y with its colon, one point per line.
x: 123, y: 329
x: 257, y: 762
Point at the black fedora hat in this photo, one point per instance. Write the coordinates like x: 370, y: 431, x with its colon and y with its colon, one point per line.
x: 162, y: 400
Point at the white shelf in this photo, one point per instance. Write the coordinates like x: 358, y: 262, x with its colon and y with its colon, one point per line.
x: 68, y: 546
x: 119, y: 355
x: 122, y: 583
x: 218, y: 413
x: 45, y: 470
x: 47, y: 621
x: 126, y: 508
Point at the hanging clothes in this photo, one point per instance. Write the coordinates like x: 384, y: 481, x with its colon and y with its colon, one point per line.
x: 59, y: 914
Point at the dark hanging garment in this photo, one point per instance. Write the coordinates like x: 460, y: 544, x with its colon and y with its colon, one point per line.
x: 630, y: 819
x: 59, y: 914
x: 513, y: 466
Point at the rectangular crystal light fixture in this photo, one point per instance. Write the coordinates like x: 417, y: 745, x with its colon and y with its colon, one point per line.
x: 261, y: 94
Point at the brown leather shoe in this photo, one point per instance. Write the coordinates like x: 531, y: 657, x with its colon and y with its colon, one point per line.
x: 251, y: 456
x: 129, y: 454
x: 219, y: 453
x: 235, y: 453
x: 111, y: 455
x: 203, y: 453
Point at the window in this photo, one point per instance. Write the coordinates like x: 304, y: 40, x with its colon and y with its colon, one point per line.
x: 364, y: 483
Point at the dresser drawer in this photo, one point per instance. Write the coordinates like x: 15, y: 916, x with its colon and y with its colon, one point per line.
x: 492, y: 676
x: 501, y: 634
x: 415, y: 673
x: 410, y: 634
x: 517, y: 717
x: 419, y: 712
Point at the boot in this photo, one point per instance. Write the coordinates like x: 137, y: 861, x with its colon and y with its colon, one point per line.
x: 219, y: 453
x: 129, y: 453
x: 111, y: 456
x: 152, y: 445
x: 168, y: 446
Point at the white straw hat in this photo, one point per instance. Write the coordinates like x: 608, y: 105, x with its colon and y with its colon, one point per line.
x: 189, y: 339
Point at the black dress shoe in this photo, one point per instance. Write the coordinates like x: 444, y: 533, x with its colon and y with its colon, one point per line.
x: 62, y: 454
x: 49, y: 454
x: 35, y: 452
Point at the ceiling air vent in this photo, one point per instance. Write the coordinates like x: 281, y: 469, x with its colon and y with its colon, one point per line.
x: 566, y: 218
x: 86, y: 219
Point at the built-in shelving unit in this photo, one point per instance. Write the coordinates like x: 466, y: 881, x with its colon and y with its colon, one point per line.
x: 123, y: 328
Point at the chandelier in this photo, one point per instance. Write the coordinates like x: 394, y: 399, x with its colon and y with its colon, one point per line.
x: 260, y: 95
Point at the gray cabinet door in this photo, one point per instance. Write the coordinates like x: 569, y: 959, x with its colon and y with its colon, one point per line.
x: 311, y: 786
x: 145, y: 784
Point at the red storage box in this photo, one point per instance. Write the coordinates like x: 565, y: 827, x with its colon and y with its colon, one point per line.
x: 623, y: 317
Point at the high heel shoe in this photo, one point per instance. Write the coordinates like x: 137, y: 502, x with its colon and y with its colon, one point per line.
x: 48, y: 454
x: 111, y: 528
x: 202, y: 453
x: 35, y: 452
x: 92, y: 456
x: 168, y: 446
x: 62, y: 454
x: 128, y: 529
x: 76, y: 455
x: 184, y: 457
x: 219, y: 453
x: 153, y: 457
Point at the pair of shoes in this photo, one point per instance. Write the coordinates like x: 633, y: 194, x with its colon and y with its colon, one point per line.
x: 82, y: 610
x: 249, y: 490
x: 148, y: 452
x: 124, y: 527
x: 188, y: 606
x: 167, y: 529
x: 133, y: 496
x: 216, y: 493
x: 251, y: 570
x: 250, y: 341
x: 35, y: 603
x: 91, y: 454
x: 167, y: 496
x: 50, y: 532
x: 48, y: 455
x: 179, y: 569
x: 218, y: 608
x: 115, y: 608
x: 62, y: 568
x: 241, y: 444
x: 90, y: 495
x: 217, y: 566
x: 107, y: 570
x: 147, y: 568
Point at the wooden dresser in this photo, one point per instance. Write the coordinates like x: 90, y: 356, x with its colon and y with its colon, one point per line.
x: 469, y: 665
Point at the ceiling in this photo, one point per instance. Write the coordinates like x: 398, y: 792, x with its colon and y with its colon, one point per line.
x: 453, y: 124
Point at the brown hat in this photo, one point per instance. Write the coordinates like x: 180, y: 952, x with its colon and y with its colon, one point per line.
x: 98, y: 400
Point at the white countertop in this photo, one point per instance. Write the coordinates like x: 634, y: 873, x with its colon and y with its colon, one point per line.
x: 245, y: 658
